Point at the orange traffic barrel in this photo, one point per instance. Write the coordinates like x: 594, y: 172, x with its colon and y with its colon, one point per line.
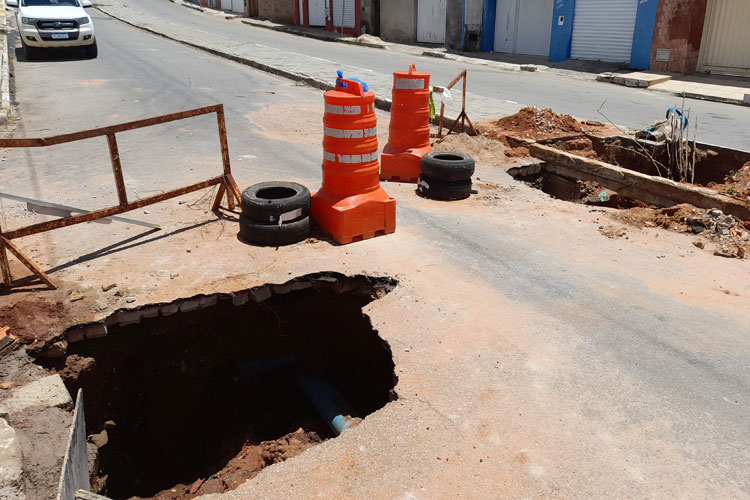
x: 409, y: 132
x: 351, y: 205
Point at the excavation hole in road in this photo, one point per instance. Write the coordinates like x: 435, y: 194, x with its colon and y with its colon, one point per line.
x: 713, y: 164
x: 205, y: 399
x: 573, y: 190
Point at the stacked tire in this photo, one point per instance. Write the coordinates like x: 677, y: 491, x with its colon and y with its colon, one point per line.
x: 275, y: 213
x: 446, y: 175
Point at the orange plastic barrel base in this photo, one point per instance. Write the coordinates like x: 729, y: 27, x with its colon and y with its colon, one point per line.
x: 354, y: 218
x: 402, y: 167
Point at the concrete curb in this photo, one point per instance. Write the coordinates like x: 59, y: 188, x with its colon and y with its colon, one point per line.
x: 4, y: 68
x: 649, y: 85
x: 704, y: 97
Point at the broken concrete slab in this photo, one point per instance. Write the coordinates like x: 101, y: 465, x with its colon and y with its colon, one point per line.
x: 240, y: 299
x: 129, y: 317
x: 43, y: 436
x: 654, y: 190
x: 169, y: 309
x: 636, y: 79
x: 11, y: 464
x: 260, y: 294
x: 90, y: 331
x: 48, y: 392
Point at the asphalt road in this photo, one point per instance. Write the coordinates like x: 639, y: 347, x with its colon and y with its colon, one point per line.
x: 139, y: 75
x: 638, y: 355
x: 721, y: 124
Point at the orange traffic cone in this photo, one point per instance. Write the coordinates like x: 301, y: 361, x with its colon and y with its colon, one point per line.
x: 351, y: 205
x: 409, y: 133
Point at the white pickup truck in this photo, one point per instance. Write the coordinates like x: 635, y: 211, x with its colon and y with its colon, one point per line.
x: 54, y: 23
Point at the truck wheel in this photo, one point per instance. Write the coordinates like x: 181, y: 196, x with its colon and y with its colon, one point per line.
x: 437, y: 189
x: 268, y: 202
x: 91, y: 51
x: 447, y: 165
x: 31, y: 53
x: 274, y: 234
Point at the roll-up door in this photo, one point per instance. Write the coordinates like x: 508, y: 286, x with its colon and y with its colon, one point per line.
x: 725, y: 47
x: 344, y: 12
x: 603, y: 30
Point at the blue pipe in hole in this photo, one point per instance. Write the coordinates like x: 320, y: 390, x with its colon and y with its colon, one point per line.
x: 328, y: 402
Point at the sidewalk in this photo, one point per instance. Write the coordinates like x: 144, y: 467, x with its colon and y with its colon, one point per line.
x: 365, y: 40
x: 725, y: 89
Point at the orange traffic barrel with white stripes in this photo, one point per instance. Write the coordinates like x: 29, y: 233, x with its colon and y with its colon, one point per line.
x: 409, y: 132
x: 351, y: 205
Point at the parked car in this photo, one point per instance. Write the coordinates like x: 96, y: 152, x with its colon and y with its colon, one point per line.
x: 54, y: 23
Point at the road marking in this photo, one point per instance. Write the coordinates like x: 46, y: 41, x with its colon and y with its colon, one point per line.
x: 361, y: 69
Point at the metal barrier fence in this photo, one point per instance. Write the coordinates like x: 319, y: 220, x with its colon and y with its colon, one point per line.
x: 226, y: 183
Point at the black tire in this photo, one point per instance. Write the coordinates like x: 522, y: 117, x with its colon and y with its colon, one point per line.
x: 91, y: 51
x: 30, y: 53
x: 274, y: 234
x: 448, y: 165
x: 268, y: 201
x: 437, y: 189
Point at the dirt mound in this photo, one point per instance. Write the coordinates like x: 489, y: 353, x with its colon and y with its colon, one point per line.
x: 31, y: 320
x: 533, y: 123
x: 674, y: 218
x: 482, y: 148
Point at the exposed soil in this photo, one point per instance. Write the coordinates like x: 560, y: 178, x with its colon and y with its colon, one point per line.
x: 582, y: 146
x: 724, y: 235
x: 31, y: 320
x: 736, y: 184
x: 536, y: 124
x: 251, y: 459
x: 481, y: 147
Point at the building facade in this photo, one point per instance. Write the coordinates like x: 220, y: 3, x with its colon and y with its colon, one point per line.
x: 708, y: 36
x: 341, y: 16
x: 682, y: 36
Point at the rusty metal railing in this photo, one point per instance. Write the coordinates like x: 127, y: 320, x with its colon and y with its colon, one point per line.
x: 225, y: 181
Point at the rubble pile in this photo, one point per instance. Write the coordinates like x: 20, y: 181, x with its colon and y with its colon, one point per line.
x: 727, y: 235
x: 726, y: 230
